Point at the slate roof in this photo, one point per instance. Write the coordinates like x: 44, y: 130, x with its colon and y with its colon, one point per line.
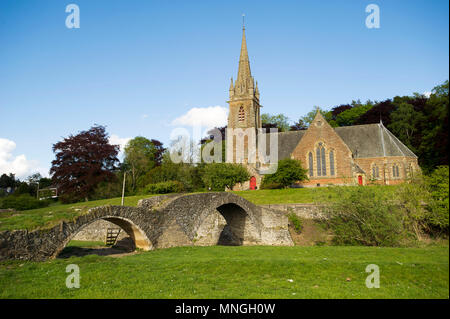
x: 369, y: 140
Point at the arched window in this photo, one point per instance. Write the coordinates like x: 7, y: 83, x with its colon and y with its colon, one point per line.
x: 321, y: 160
x: 311, y: 164
x: 395, y: 171
x: 375, y: 171
x: 319, y: 165
x: 332, y: 163
x: 241, y: 114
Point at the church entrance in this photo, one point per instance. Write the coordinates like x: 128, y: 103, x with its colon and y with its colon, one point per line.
x: 360, y: 181
x: 252, y: 182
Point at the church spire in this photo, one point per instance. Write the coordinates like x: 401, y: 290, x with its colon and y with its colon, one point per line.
x: 244, y: 74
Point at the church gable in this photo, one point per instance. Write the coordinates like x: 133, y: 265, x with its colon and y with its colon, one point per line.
x: 323, y: 152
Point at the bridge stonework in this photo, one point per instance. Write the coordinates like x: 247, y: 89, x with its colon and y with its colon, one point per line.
x: 161, y: 222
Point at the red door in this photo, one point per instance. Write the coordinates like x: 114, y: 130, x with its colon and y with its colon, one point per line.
x: 253, y: 182
x: 359, y: 179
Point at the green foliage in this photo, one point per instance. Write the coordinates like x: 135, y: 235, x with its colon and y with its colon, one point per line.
x: 348, y: 117
x: 140, y: 157
x: 164, y: 188
x: 108, y: 190
x: 365, y: 216
x: 438, y: 183
x: 405, y: 122
x: 289, y: 171
x: 22, y: 202
x: 218, y: 176
x: 280, y: 120
x: 187, y: 174
x: 296, y: 222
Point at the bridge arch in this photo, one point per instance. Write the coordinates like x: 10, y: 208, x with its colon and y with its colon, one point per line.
x: 114, y: 214
x: 210, y: 219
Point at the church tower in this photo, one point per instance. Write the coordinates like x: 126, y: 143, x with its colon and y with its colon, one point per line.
x: 244, y: 120
x: 244, y: 95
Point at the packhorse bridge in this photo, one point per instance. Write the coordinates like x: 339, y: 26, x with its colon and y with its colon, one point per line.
x: 160, y: 222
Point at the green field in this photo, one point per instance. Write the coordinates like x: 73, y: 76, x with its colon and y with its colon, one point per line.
x: 52, y: 215
x: 237, y: 272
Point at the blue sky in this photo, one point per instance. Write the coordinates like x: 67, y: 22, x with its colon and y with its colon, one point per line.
x: 136, y: 66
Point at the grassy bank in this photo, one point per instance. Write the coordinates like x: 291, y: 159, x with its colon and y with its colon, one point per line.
x: 237, y: 272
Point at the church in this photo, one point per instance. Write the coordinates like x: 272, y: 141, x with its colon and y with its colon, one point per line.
x: 351, y: 155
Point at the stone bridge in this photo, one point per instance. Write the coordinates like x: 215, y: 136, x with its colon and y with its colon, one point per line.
x: 160, y: 222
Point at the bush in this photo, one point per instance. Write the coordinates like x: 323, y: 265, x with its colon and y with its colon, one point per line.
x: 22, y: 202
x: 288, y: 172
x: 164, y: 188
x: 219, y: 176
x: 296, y: 222
x: 438, y: 185
x: 365, y: 216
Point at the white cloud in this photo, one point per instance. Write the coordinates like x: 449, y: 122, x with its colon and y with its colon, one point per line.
x: 121, y: 141
x: 18, y: 165
x: 209, y: 117
x: 427, y: 94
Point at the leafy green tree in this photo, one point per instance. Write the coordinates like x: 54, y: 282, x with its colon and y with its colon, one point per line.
x: 348, y: 117
x: 438, y: 183
x: 219, y: 176
x: 289, y: 171
x: 280, y: 121
x: 140, y: 157
x: 405, y: 123
x: 434, y: 143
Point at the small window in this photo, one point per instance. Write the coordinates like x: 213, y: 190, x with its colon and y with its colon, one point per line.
x: 241, y: 114
x: 311, y: 164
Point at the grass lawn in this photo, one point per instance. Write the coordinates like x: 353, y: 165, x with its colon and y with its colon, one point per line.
x: 52, y: 215
x: 237, y: 272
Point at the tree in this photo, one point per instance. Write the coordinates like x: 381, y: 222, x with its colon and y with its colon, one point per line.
x: 289, y: 171
x: 405, y: 123
x: 350, y: 116
x: 7, y: 181
x: 279, y: 121
x: 141, y: 155
x: 219, y: 176
x: 434, y: 144
x: 375, y: 113
x: 82, y: 162
x: 299, y: 126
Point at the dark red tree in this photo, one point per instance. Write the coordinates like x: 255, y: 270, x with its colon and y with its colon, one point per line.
x: 335, y: 111
x: 380, y: 111
x: 82, y: 162
x: 159, y: 151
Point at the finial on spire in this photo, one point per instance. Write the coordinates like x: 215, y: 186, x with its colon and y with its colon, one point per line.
x: 243, y: 21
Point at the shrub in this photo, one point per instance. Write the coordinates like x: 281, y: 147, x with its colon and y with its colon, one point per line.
x: 219, y: 176
x: 438, y: 184
x: 365, y: 216
x: 288, y: 172
x: 164, y: 188
x: 296, y: 222
x: 22, y: 202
